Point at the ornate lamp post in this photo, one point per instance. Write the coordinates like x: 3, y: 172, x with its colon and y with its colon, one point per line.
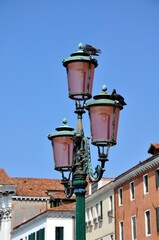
x: 71, y: 148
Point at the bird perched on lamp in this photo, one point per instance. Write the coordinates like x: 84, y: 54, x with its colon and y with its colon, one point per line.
x: 89, y: 49
x: 118, y: 97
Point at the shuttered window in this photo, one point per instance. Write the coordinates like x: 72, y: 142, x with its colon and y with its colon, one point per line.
x: 146, y: 185
x: 101, y: 209
x: 31, y: 236
x: 121, y: 230
x: 133, y: 225
x: 59, y: 233
x: 157, y: 218
x: 157, y: 178
x: 132, y: 191
x: 148, y: 222
x: 40, y: 235
x: 120, y: 196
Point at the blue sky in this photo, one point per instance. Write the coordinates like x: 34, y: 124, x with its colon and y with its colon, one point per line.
x: 35, y: 36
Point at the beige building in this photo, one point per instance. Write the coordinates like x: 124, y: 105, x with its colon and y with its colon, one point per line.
x: 100, y: 223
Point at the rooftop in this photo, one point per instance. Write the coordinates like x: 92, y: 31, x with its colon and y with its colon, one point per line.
x: 33, y: 186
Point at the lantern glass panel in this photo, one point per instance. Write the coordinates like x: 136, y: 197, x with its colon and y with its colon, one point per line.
x: 63, y: 152
x: 104, y: 124
x: 80, y: 77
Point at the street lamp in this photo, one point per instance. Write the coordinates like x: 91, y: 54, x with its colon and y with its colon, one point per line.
x: 71, y: 148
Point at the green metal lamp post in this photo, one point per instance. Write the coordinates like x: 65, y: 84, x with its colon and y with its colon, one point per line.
x: 71, y: 148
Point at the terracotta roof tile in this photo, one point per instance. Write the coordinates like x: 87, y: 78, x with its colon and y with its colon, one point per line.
x: 4, y: 178
x: 33, y: 186
x: 37, y: 186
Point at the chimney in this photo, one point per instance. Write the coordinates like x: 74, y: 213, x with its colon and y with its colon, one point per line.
x: 154, y: 148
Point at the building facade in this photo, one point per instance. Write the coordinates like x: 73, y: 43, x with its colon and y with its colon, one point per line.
x: 22, y: 199
x: 137, y: 202
x: 6, y: 193
x: 55, y: 224
x: 100, y: 211
x: 129, y: 205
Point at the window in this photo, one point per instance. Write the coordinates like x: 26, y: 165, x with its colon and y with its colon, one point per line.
x: 120, y: 194
x: 59, y: 233
x: 31, y: 236
x: 40, y: 235
x: 87, y: 215
x: 91, y: 213
x: 96, y: 214
x: 157, y: 178
x: 111, y: 237
x: 145, y: 182
x: 110, y: 203
x: 132, y: 191
x: 110, y: 211
x: 95, y: 219
x: 147, y: 223
x: 133, y: 226
x: 157, y: 218
x: 121, y: 230
x: 96, y: 210
x: 100, y: 217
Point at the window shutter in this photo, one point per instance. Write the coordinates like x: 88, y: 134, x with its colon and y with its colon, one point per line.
x: 157, y: 218
x: 37, y: 235
x: 31, y: 236
x: 41, y: 234
x: 59, y: 233
x: 157, y: 178
x: 101, y: 209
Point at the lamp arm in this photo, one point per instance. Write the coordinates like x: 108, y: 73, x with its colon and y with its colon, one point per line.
x: 67, y: 185
x: 99, y: 170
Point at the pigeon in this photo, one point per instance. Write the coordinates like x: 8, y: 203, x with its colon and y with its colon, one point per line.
x: 90, y: 49
x: 118, y: 97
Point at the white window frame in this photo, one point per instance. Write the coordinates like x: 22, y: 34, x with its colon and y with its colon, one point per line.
x: 132, y: 191
x: 148, y: 223
x: 121, y: 230
x: 134, y: 234
x: 146, y: 184
x: 120, y: 196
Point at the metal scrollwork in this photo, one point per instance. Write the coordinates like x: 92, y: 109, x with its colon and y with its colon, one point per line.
x: 93, y: 176
x: 67, y: 185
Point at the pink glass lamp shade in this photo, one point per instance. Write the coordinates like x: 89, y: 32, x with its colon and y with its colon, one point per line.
x: 104, y: 117
x: 62, y: 144
x: 80, y: 74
